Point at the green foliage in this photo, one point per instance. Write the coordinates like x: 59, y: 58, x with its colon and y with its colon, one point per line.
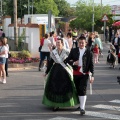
x: 84, y: 12
x: 24, y: 54
x: 58, y: 7
x: 43, y: 6
x: 21, y: 54
x: 64, y: 8
x: 14, y: 54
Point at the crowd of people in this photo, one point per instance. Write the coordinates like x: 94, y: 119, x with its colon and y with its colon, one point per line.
x: 70, y: 64
x: 113, y: 58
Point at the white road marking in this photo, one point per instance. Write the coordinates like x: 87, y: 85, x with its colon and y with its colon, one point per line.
x: 115, y: 101
x: 108, y: 107
x: 101, y: 115
x: 62, y: 118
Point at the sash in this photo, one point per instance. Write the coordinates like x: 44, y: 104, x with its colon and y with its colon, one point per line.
x: 57, y: 59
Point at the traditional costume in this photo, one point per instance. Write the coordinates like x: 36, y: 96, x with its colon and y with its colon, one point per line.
x: 81, y: 72
x: 111, y: 58
x: 60, y: 90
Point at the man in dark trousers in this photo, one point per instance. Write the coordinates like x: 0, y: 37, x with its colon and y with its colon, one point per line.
x: 81, y: 59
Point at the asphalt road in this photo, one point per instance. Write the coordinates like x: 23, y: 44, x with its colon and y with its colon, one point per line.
x: 21, y: 96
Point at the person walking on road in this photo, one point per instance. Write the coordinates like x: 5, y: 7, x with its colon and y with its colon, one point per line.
x: 96, y: 53
x: 81, y: 59
x: 45, y: 51
x: 106, y: 34
x: 59, y: 90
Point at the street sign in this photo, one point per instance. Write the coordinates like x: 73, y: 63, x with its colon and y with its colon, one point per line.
x: 105, y: 18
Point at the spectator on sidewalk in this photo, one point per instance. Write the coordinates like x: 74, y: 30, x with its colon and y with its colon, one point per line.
x: 2, y: 61
x: 6, y: 55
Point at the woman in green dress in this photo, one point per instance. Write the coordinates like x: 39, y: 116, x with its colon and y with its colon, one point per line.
x: 59, y: 90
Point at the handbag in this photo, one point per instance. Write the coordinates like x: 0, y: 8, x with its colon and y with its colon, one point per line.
x: 39, y: 50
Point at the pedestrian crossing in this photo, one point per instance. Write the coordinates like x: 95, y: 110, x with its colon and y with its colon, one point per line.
x: 102, y: 107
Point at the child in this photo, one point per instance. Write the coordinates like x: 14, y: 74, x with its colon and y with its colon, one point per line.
x: 96, y: 53
x: 111, y: 58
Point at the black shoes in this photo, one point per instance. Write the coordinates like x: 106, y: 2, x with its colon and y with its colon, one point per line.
x: 55, y: 109
x: 82, y: 112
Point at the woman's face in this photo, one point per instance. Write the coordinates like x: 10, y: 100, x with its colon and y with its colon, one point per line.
x: 59, y: 44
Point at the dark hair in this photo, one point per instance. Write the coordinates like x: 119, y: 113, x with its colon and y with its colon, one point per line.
x: 69, y: 34
x: 62, y: 36
x: 52, y: 32
x: 2, y: 41
x: 82, y: 38
x: 46, y: 35
x: 82, y: 35
x: 60, y: 40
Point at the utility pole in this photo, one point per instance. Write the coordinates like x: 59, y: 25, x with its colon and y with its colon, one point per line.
x: 1, y: 11
x: 15, y: 25
x: 101, y: 7
x: 93, y: 18
x: 32, y: 7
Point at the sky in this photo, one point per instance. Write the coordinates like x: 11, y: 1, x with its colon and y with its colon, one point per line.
x: 105, y: 2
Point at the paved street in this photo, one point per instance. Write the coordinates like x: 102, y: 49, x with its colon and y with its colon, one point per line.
x: 21, y: 97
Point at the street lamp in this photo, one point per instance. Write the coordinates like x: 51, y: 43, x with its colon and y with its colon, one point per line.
x: 93, y: 18
x: 32, y: 6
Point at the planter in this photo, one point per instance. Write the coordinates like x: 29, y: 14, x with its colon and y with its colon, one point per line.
x: 17, y: 65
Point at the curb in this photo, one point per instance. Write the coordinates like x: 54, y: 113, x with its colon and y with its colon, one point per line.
x: 22, y: 68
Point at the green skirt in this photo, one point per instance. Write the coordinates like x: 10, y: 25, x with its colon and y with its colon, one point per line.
x: 59, y: 90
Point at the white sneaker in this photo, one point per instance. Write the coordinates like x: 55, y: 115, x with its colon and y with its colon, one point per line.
x: 4, y: 81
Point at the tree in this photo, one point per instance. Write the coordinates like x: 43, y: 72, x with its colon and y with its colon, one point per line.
x: 64, y: 8
x: 22, y: 7
x: 43, y: 6
x: 84, y: 13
